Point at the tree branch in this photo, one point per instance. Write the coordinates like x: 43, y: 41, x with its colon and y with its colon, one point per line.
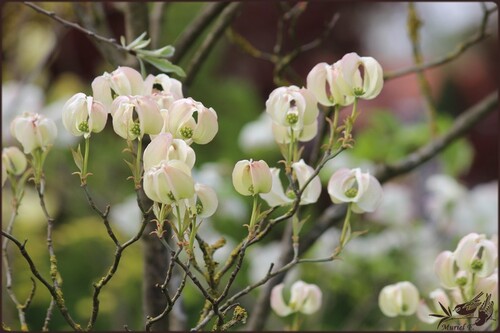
x: 213, y: 36
x: 335, y: 213
x: 195, y: 29
x: 59, y: 300
x: 78, y: 27
x: 461, y: 48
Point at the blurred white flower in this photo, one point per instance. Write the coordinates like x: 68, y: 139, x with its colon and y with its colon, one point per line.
x: 13, y: 160
x: 477, y: 211
x: 257, y: 134
x: 126, y: 216
x: 437, y: 296
x: 305, y: 298
x: 476, y: 254
x: 33, y: 131
x: 252, y: 177
x: 397, y: 206
x: 444, y: 194
x: 397, y: 299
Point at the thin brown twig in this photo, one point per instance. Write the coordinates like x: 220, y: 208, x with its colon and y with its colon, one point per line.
x: 21, y: 309
x: 104, y: 215
x: 54, y: 271
x: 113, y: 268
x: 186, y: 40
x: 414, y: 23
x: 78, y: 27
x: 48, y: 315
x: 213, y: 36
x: 170, y: 301
x: 459, y: 49
x: 58, y: 297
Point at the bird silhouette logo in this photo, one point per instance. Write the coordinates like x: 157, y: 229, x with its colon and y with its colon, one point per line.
x: 467, y: 310
x: 470, y: 306
x: 485, y: 311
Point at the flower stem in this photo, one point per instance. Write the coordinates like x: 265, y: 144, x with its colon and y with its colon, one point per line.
x: 138, y: 164
x: 346, y: 226
x: 334, y: 126
x: 402, y: 326
x: 253, y: 218
x: 85, y: 161
x: 296, y: 322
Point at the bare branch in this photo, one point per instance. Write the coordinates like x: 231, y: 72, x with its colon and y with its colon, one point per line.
x: 59, y: 300
x: 334, y: 214
x: 195, y: 29
x: 414, y: 23
x: 78, y: 27
x: 48, y: 315
x: 213, y: 36
x: 104, y: 215
x: 461, y: 48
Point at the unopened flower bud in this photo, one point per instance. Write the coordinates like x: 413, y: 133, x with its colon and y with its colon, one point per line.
x: 33, y: 131
x: 252, y: 177
x: 14, y: 161
x: 397, y: 299
x: 305, y: 298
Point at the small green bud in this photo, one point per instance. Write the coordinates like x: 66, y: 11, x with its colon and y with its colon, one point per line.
x: 461, y: 281
x: 476, y: 265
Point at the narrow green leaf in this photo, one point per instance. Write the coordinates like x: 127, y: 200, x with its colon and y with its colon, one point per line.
x: 78, y: 158
x: 164, y: 65
x: 164, y: 52
x: 136, y: 41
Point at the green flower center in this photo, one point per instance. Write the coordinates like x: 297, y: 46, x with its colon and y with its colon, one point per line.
x: 171, y: 196
x: 476, y: 265
x: 351, y: 193
x: 358, y: 91
x: 83, y: 127
x: 186, y: 132
x: 292, y: 118
x: 199, y: 208
x: 136, y: 129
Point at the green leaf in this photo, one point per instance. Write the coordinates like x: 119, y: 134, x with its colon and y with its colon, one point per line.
x: 78, y: 158
x: 164, y: 65
x: 137, y: 41
x: 164, y: 52
x: 131, y: 166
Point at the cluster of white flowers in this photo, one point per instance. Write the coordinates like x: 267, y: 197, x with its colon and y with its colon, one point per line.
x: 469, y: 271
x: 154, y: 106
x: 294, y: 112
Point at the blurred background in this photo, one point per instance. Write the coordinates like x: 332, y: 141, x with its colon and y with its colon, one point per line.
x: 423, y: 213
